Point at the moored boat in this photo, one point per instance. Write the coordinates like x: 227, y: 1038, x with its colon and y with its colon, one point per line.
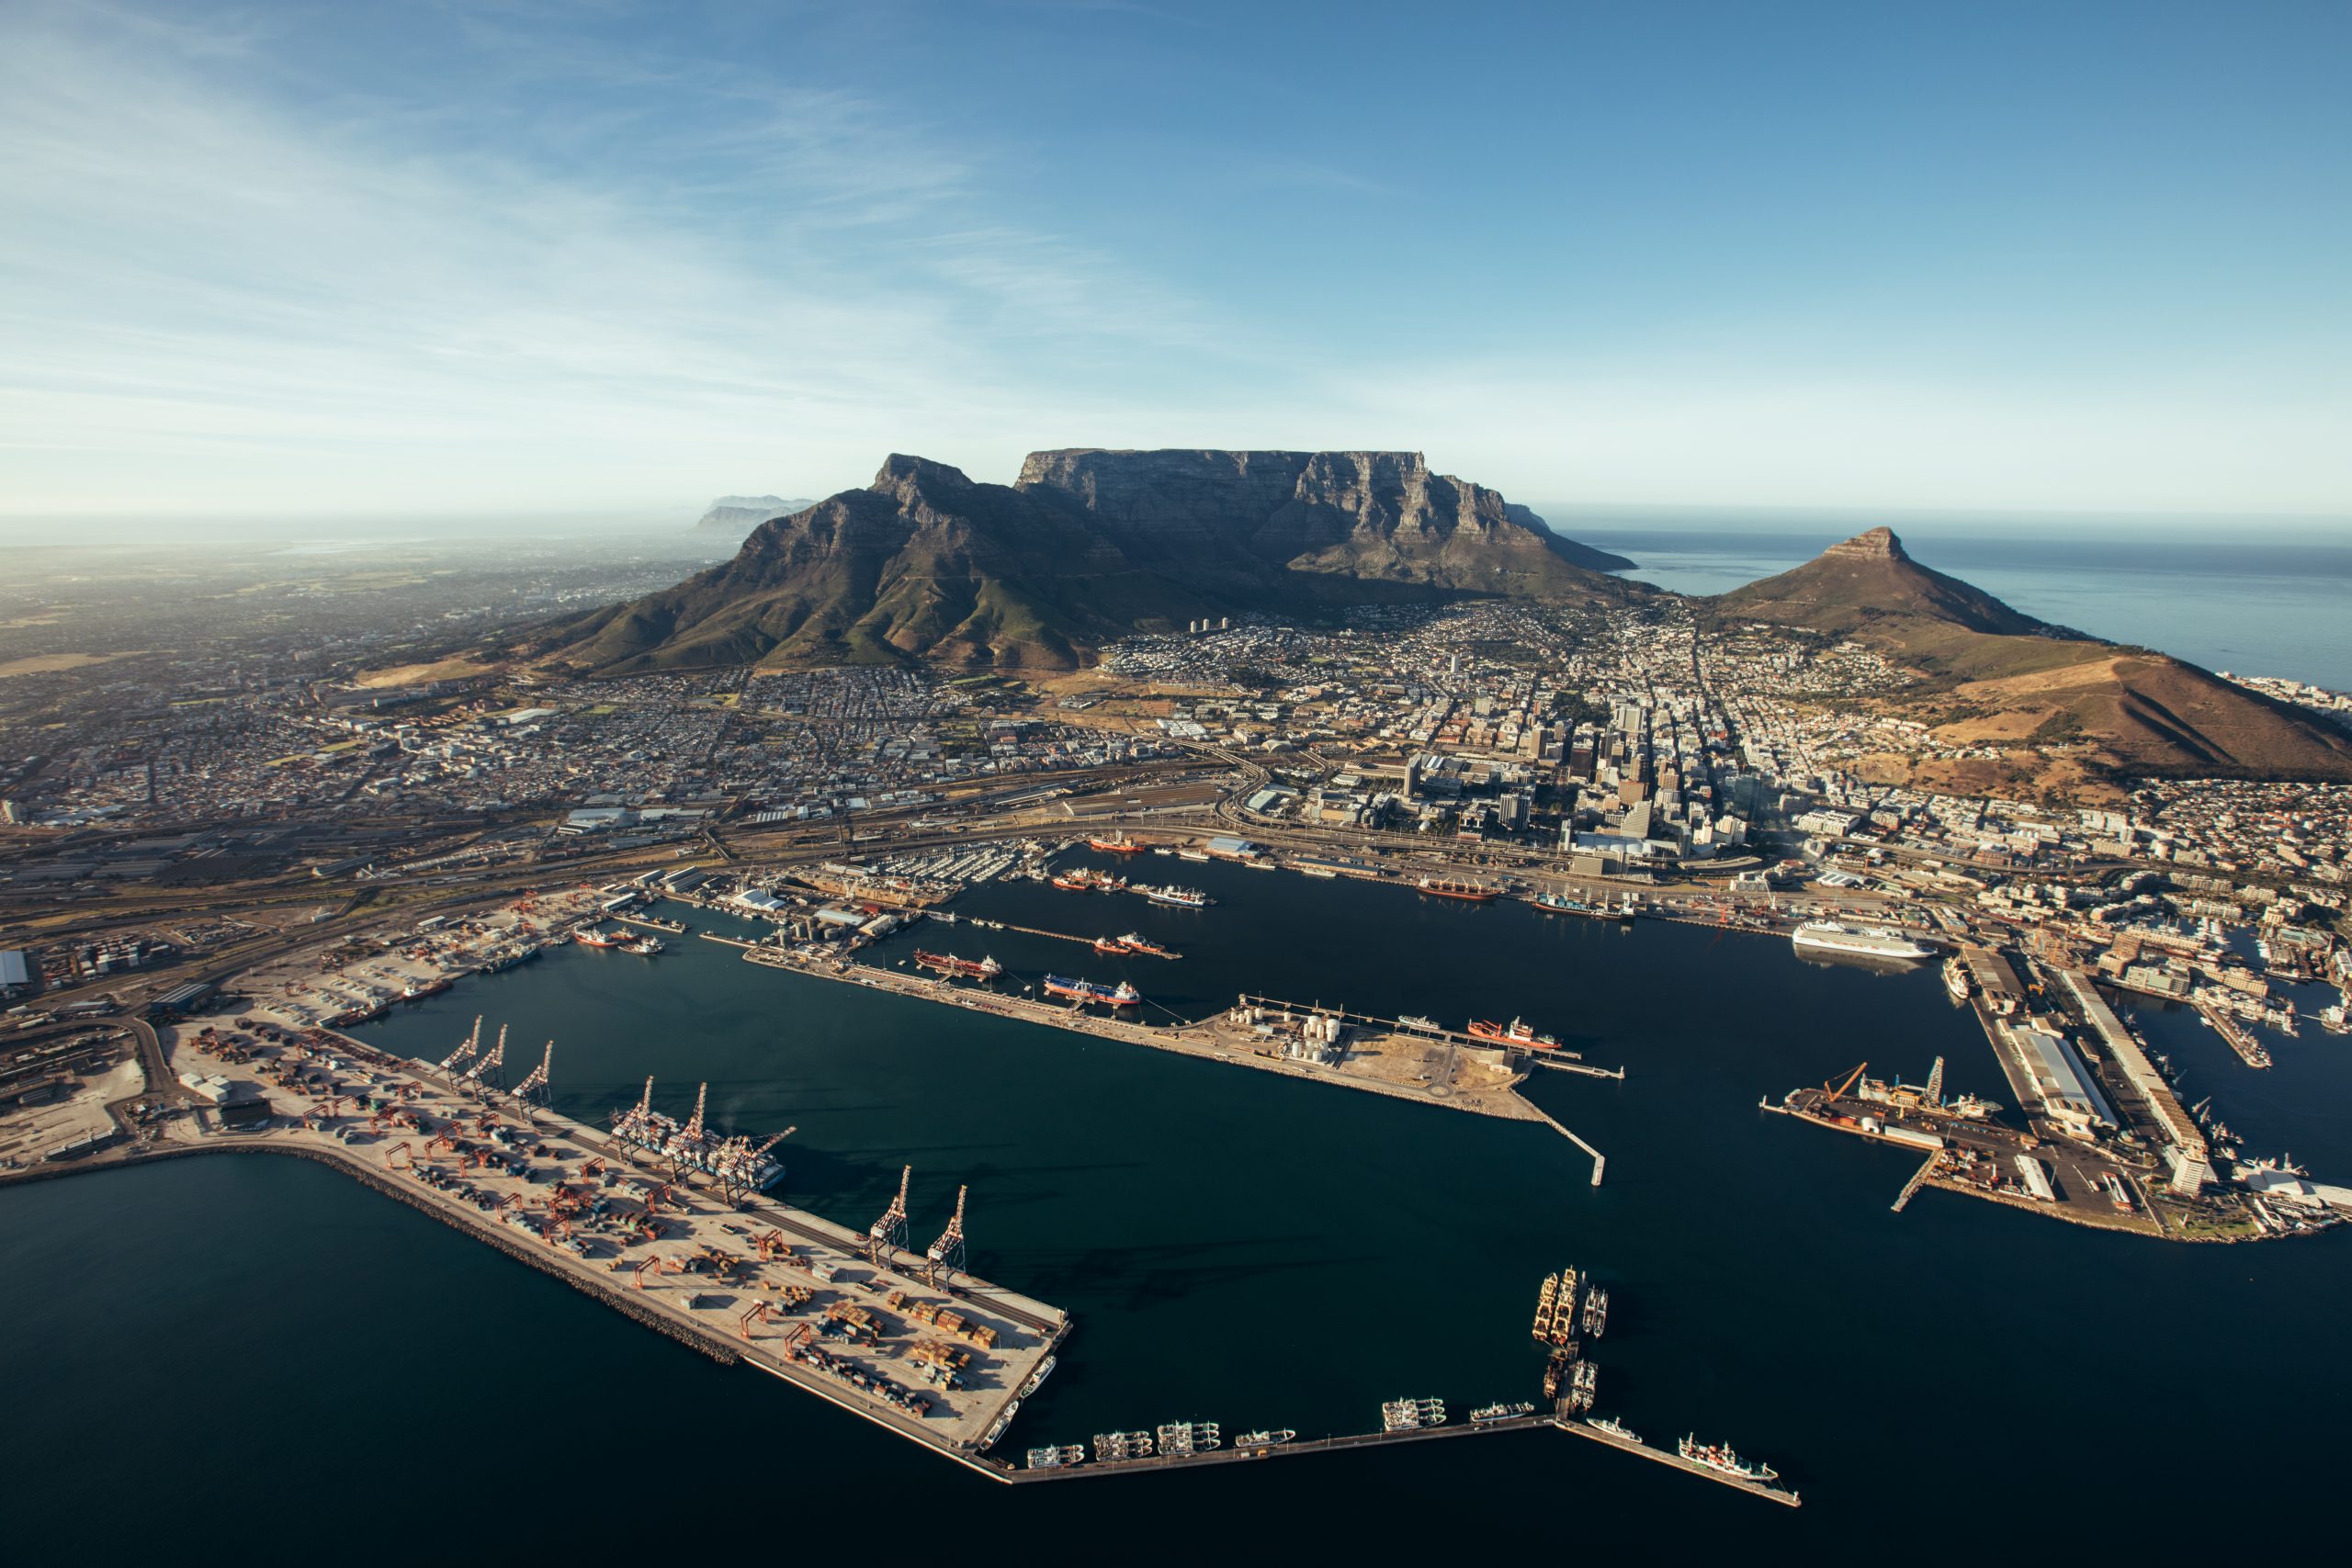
x: 1518, y: 1032
x: 1121, y: 995
x: 1452, y: 888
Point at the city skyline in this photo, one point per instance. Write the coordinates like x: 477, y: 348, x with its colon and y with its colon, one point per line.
x: 286, y: 260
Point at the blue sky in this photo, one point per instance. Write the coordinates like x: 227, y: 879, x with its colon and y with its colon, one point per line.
x: 265, y: 259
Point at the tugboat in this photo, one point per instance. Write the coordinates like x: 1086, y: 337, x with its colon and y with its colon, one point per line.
x: 1135, y: 944
x: 644, y: 946
x: 1111, y: 947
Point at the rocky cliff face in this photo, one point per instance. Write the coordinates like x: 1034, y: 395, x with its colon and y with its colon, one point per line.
x: 1086, y: 547
x: 739, y: 514
x: 1376, y: 515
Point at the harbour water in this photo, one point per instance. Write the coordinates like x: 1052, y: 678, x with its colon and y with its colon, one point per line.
x: 1235, y: 1246
x: 2238, y: 597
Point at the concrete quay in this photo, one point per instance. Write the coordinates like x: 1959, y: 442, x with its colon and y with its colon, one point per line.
x: 1198, y: 1040
x: 759, y: 1282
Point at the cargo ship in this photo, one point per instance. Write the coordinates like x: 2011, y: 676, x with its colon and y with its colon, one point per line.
x: 498, y: 964
x: 1516, y: 1033
x: 1118, y: 844
x: 960, y: 968
x: 1121, y: 995
x: 1858, y: 942
x: 1468, y: 892
x: 1720, y: 1458
x: 1135, y: 944
x: 1561, y: 904
x: 1178, y: 898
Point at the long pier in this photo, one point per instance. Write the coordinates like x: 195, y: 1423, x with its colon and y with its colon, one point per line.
x: 1668, y: 1457
x: 1241, y: 1455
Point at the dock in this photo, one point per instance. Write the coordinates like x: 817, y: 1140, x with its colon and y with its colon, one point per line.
x: 756, y: 1282
x: 1627, y: 1444
x: 1201, y: 1040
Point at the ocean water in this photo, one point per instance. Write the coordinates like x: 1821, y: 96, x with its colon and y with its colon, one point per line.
x: 2259, y: 606
x: 1235, y: 1246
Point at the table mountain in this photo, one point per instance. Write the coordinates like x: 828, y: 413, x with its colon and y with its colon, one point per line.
x: 1087, y: 546
x: 736, y: 516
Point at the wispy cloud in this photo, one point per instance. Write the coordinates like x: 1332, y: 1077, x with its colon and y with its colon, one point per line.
x: 229, y: 295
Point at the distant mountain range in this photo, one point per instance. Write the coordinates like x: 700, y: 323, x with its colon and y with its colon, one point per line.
x: 736, y: 516
x: 1088, y: 545
x: 1085, y: 547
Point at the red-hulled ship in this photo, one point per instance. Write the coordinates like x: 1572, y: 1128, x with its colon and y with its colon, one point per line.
x: 1468, y: 892
x: 962, y: 968
x: 1515, y: 1032
x: 1121, y: 995
x: 1118, y: 844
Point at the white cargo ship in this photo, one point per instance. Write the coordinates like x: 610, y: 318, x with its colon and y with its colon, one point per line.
x: 1860, y: 942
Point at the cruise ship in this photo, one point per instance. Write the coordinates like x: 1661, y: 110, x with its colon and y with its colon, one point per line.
x: 1858, y: 942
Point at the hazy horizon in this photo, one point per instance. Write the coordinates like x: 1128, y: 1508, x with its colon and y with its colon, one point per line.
x: 479, y: 260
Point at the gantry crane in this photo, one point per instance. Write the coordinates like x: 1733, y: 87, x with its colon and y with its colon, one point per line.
x: 466, y: 1048
x: 535, y: 1086
x: 889, y: 1233
x: 489, y: 1069
x: 946, y: 1258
